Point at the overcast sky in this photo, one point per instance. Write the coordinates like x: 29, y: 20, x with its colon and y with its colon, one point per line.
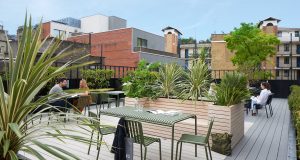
x: 194, y: 18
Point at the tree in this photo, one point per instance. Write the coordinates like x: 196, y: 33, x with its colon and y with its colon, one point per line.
x: 188, y: 40
x: 251, y: 46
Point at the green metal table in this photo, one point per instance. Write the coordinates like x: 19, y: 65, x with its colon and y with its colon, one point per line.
x: 131, y: 113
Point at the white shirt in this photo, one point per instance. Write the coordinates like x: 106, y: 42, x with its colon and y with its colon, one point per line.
x: 263, y: 97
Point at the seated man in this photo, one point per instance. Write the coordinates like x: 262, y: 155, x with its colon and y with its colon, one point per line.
x: 262, y: 98
x: 57, y: 89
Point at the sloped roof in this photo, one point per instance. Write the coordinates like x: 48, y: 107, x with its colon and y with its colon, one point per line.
x: 269, y: 19
x: 167, y: 28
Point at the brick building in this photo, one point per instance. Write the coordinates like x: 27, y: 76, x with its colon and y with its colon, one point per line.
x: 126, y: 47
x: 284, y: 65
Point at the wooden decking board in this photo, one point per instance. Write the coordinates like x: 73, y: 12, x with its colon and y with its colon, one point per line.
x: 239, y: 147
x: 263, y: 154
x: 273, y: 150
x: 255, y: 135
x: 267, y: 138
x: 256, y: 147
x: 283, y: 148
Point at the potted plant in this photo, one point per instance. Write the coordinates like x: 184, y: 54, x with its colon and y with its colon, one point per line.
x: 26, y: 75
x: 139, y: 84
x: 228, y: 109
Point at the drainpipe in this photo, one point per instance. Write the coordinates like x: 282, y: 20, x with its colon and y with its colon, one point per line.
x: 291, y: 68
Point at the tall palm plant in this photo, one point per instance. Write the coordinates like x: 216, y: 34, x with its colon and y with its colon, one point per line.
x: 196, y: 81
x: 169, y: 77
x: 26, y: 75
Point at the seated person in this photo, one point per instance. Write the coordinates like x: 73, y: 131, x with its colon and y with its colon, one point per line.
x: 84, y: 87
x: 58, y: 90
x: 262, y: 98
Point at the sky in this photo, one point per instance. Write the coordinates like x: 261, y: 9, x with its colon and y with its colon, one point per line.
x: 194, y: 18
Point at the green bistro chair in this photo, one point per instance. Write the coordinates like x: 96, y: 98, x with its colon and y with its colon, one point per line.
x: 134, y: 130
x: 195, y: 139
x: 106, y: 99
x: 102, y: 131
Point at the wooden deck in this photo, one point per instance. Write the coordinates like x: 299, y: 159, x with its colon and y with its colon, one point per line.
x: 264, y: 139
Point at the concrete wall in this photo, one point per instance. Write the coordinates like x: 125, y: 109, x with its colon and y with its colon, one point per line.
x: 154, y: 41
x: 116, y: 23
x: 95, y: 24
x: 151, y: 58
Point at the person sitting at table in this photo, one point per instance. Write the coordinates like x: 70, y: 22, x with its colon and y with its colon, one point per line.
x: 84, y: 87
x: 262, y: 98
x: 57, y: 90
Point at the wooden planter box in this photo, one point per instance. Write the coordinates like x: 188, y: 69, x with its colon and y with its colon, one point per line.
x: 227, y: 119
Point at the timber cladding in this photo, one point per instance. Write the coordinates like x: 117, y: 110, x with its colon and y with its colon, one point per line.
x: 227, y: 119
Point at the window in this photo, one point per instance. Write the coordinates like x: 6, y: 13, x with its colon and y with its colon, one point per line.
x: 57, y: 33
x: 277, y: 61
x: 286, y: 60
x: 279, y: 34
x: 277, y: 48
x: 270, y: 24
x: 296, y: 33
x: 286, y: 47
x: 277, y: 73
x: 286, y: 73
x: 298, y: 49
x: 186, y: 53
x: 141, y: 42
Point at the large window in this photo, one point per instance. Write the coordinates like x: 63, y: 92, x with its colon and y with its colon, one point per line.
x: 286, y: 47
x: 286, y: 73
x: 286, y: 60
x: 296, y: 33
x: 141, y: 42
x: 277, y: 73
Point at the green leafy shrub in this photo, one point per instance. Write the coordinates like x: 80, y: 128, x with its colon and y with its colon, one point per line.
x: 232, y: 89
x: 294, y: 105
x: 139, y: 83
x: 97, y: 78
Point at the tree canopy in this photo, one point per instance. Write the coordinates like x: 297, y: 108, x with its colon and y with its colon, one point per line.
x: 251, y: 46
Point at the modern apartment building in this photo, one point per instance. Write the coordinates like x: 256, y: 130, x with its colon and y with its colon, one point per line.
x: 89, y: 24
x: 188, y: 51
x: 284, y: 65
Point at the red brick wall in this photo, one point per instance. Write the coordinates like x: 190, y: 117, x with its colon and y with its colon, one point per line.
x: 117, y: 47
x: 45, y: 30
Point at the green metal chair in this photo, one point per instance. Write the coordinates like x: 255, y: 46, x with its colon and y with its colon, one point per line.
x: 134, y: 130
x: 102, y: 131
x: 106, y: 99
x: 197, y: 140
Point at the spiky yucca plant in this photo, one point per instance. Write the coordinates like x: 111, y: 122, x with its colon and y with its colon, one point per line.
x: 26, y: 75
x: 232, y: 89
x: 169, y: 78
x: 196, y: 81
